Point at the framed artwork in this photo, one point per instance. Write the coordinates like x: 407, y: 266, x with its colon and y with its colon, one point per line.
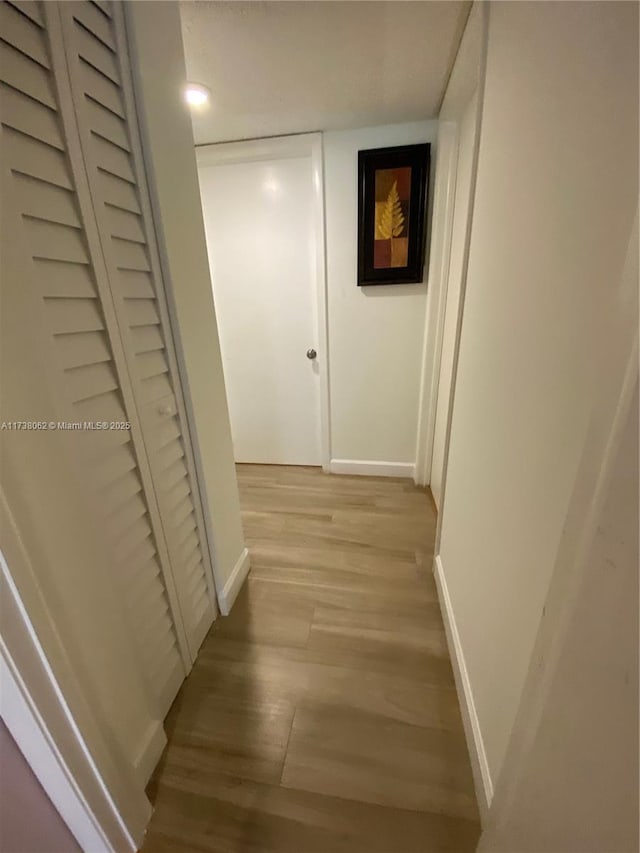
x: 392, y: 207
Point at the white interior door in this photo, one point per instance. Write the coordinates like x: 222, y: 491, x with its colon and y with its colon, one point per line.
x: 462, y: 205
x: 260, y: 228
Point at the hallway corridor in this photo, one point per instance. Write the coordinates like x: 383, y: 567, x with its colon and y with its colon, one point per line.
x: 321, y: 715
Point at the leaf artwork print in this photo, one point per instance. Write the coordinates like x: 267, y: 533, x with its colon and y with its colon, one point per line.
x: 392, y: 197
x: 392, y: 218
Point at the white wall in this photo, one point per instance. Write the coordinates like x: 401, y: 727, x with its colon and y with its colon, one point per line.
x: 575, y: 790
x: 154, y: 29
x: 555, y: 200
x: 376, y: 334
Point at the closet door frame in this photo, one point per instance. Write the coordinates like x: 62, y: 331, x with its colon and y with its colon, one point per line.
x: 168, y: 326
x: 60, y: 734
x: 68, y: 118
x: 169, y: 322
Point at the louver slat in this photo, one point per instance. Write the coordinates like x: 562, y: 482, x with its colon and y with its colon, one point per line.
x: 100, y: 88
x: 96, y: 54
x: 27, y: 76
x: 142, y: 312
x: 169, y: 455
x: 56, y: 242
x: 116, y: 192
x: 146, y: 339
x: 70, y: 316
x: 151, y: 364
x: 126, y: 514
x: 94, y: 21
x: 178, y: 493
x: 104, y: 6
x: 18, y: 31
x: 91, y: 380
x: 136, y: 285
x: 35, y: 158
x: 107, y: 125
x: 30, y: 10
x: 29, y: 117
x: 123, y: 224
x: 130, y: 256
x: 155, y: 388
x: 111, y: 158
x: 60, y: 279
x: 48, y: 202
x: 82, y: 348
x: 109, y: 407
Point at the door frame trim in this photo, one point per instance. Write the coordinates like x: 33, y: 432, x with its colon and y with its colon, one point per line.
x: 51, y: 719
x: 443, y: 204
x: 467, y: 78
x: 278, y: 148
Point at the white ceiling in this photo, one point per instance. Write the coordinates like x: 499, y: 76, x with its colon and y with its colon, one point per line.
x: 301, y: 65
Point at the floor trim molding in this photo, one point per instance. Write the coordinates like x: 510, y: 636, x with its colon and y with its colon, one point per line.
x: 479, y: 764
x: 229, y: 593
x: 154, y: 742
x: 362, y: 467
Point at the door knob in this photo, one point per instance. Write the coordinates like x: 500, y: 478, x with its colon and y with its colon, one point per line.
x: 311, y: 354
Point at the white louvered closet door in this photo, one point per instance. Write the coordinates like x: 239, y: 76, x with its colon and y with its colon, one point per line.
x: 98, y: 325
x: 102, y: 90
x: 72, y: 330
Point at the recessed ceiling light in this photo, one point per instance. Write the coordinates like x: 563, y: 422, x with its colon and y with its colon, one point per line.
x: 196, y: 95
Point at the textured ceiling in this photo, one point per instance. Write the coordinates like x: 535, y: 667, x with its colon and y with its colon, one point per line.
x: 301, y: 65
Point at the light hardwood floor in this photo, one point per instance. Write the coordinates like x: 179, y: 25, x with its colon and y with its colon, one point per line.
x: 321, y: 715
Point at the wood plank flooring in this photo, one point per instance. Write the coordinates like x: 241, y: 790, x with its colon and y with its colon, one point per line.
x: 321, y: 715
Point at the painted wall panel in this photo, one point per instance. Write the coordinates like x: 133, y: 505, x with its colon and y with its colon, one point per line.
x: 556, y: 195
x: 376, y: 334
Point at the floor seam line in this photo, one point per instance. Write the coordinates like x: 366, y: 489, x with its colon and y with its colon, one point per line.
x: 286, y: 749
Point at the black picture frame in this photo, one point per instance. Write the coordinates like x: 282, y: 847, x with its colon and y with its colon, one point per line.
x: 417, y: 158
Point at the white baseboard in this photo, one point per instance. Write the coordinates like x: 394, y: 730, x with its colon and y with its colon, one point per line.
x: 364, y: 468
x: 232, y: 587
x: 479, y: 764
x: 150, y: 751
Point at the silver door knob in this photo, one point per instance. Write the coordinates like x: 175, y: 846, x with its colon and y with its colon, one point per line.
x: 311, y: 354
